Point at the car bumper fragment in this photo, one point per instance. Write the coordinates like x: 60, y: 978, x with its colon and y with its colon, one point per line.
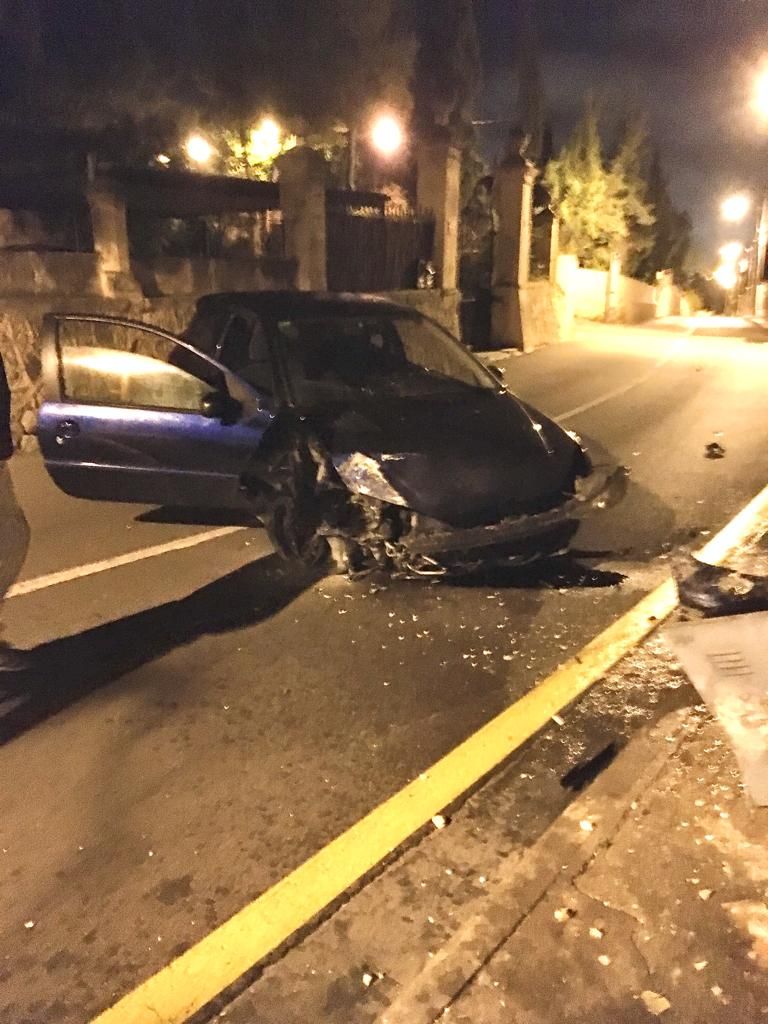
x: 602, y: 489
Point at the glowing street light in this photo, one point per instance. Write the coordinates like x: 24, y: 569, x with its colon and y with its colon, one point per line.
x: 266, y: 141
x: 199, y: 149
x: 730, y: 253
x: 760, y: 95
x: 726, y: 276
x: 734, y: 208
x: 387, y: 135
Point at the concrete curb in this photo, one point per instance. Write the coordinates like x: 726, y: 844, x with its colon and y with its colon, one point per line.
x: 585, y: 828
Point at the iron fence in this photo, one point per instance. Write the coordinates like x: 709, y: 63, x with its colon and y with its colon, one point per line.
x: 371, y: 251
x: 229, y: 236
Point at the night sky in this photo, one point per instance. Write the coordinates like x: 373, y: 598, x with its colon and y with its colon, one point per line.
x: 688, y: 63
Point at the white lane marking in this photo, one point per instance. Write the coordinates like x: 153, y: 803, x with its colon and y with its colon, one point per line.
x: 53, y: 579
x: 618, y: 392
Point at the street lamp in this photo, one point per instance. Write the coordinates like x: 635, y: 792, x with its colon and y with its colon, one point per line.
x: 734, y: 208
x: 387, y: 135
x: 726, y: 276
x: 760, y: 94
x: 198, y: 149
x: 730, y: 252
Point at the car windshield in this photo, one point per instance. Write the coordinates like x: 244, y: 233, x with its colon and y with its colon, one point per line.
x: 403, y: 356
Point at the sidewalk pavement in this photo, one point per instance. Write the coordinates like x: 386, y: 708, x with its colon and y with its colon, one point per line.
x: 665, y: 916
x: 647, y: 897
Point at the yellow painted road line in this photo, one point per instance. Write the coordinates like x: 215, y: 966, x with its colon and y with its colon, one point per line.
x: 78, y: 572
x: 196, y: 977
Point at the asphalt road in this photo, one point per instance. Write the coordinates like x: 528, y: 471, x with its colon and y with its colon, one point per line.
x: 206, y: 720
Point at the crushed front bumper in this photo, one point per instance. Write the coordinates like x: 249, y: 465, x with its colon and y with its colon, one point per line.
x: 603, y: 488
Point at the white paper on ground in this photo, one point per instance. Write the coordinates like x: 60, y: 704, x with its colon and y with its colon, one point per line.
x: 726, y: 659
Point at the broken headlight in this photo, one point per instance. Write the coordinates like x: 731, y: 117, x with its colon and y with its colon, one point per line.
x: 362, y: 474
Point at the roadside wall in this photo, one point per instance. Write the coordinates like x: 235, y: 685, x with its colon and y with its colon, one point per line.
x: 170, y: 275
x: 587, y: 292
x: 439, y: 304
x: 585, y: 295
x: 636, y: 301
x: 25, y: 272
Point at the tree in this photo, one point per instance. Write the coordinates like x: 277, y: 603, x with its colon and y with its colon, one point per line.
x: 135, y: 68
x: 447, y: 73
x: 629, y: 172
x: 601, y: 203
x: 585, y: 195
x: 671, y: 239
x: 531, y: 100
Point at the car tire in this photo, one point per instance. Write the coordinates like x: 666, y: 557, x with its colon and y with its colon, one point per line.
x: 294, y: 536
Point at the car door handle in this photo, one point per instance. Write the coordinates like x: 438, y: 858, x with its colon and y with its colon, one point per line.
x: 66, y: 431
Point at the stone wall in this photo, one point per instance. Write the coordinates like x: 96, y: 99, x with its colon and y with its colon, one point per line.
x: 441, y: 305
x: 171, y: 275
x: 631, y: 301
x: 26, y: 272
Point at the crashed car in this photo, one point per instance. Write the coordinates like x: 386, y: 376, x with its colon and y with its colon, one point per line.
x: 356, y: 430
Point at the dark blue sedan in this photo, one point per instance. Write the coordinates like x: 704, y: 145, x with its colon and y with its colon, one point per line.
x: 353, y: 428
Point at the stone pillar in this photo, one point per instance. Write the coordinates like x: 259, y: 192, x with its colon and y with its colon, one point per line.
x: 513, y: 200
x: 110, y: 239
x: 612, y: 289
x: 554, y: 248
x: 302, y: 176
x: 438, y: 191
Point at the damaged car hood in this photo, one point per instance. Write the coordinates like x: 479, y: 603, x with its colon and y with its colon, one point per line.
x: 464, y: 459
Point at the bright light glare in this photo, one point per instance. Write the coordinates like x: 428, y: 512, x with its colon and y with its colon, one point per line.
x: 387, y: 135
x: 266, y: 141
x: 760, y: 96
x: 726, y: 276
x: 198, y: 149
x: 730, y: 253
x: 114, y: 361
x: 735, y: 208
x: 163, y: 158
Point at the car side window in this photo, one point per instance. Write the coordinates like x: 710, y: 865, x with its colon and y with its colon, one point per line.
x: 244, y: 350
x: 235, y: 344
x: 118, y: 364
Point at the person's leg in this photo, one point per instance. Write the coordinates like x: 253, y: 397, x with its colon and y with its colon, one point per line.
x: 14, y: 541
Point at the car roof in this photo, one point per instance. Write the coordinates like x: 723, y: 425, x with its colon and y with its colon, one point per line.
x: 292, y: 303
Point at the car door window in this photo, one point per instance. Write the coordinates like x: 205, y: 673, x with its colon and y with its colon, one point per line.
x: 115, y: 364
x: 244, y: 349
x: 235, y: 345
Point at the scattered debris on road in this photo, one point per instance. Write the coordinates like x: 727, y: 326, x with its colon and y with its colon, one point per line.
x: 714, y: 450
x: 370, y: 977
x: 563, y: 914
x: 655, y: 1003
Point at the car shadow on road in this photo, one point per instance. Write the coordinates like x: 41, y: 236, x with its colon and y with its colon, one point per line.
x: 67, y: 669
x: 563, y: 572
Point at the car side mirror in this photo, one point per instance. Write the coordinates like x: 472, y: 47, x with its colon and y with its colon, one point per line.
x: 218, y: 405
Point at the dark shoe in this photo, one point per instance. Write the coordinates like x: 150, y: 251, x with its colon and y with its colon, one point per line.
x: 12, y: 660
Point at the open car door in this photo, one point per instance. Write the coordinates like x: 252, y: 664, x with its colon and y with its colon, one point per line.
x: 132, y: 413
